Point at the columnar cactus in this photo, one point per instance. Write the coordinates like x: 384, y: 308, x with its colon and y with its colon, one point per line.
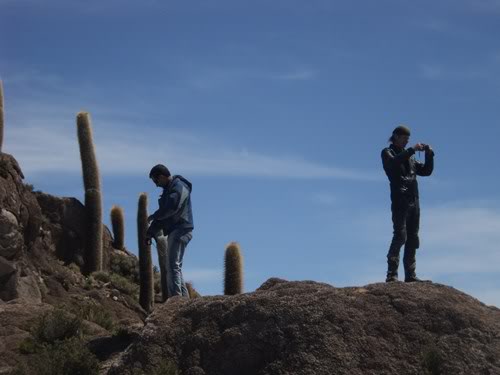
x: 233, y: 270
x: 192, y: 291
x: 118, y: 225
x: 90, y: 169
x: 1, y: 115
x: 93, y: 199
x: 94, y: 229
x: 146, y: 290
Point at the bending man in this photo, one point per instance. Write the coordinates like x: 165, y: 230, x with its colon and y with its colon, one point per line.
x: 174, y: 219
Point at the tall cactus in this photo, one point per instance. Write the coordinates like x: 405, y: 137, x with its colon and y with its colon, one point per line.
x: 93, y: 211
x: 146, y: 290
x: 118, y: 225
x: 1, y: 115
x: 233, y: 270
x: 93, y: 199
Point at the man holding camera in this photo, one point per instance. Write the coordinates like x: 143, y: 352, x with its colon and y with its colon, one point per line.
x: 402, y: 170
x: 174, y: 219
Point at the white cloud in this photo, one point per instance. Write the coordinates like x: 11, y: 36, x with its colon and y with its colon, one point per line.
x: 200, y: 275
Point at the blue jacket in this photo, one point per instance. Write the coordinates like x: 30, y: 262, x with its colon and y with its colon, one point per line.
x: 175, y: 211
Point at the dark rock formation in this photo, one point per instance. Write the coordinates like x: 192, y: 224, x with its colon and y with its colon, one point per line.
x: 40, y: 237
x: 314, y: 328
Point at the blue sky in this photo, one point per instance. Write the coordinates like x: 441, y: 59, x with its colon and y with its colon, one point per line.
x: 277, y: 112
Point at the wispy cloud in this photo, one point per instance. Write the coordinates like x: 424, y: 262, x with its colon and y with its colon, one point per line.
x: 458, y: 241
x: 298, y: 75
x: 324, y: 198
x: 433, y: 71
x: 42, y: 135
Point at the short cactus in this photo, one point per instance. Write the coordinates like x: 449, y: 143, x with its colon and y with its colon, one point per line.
x: 146, y: 291
x: 118, y: 225
x: 1, y: 115
x: 93, y: 199
x: 192, y: 291
x: 233, y: 270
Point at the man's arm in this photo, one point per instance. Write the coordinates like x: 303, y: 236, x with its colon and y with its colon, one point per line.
x: 169, y: 205
x: 426, y: 169
x: 390, y: 160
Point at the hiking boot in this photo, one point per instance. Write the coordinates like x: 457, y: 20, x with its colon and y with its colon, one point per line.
x: 391, y: 278
x: 413, y: 279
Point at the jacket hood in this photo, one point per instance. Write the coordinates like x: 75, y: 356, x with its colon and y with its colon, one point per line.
x: 188, y: 184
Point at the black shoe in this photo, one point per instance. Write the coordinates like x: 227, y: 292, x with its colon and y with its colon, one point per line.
x: 391, y: 279
x: 413, y: 279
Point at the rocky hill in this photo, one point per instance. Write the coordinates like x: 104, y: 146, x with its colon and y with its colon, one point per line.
x: 54, y: 319
x: 42, y: 238
x: 313, y: 328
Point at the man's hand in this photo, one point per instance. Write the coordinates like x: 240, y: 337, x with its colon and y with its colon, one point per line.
x: 419, y: 147
x: 429, y: 150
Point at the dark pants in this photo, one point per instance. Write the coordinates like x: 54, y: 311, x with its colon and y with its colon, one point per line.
x: 406, y: 223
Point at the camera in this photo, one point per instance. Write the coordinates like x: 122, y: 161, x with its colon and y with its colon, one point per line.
x: 426, y: 147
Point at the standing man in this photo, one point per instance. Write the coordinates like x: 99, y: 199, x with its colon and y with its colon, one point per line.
x: 402, y: 169
x: 173, y: 219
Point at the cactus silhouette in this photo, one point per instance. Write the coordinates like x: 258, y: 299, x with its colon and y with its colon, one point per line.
x: 233, y: 270
x: 118, y: 225
x: 93, y: 199
x: 192, y: 291
x: 146, y: 290
x: 1, y: 115
x: 94, y: 229
x: 90, y: 169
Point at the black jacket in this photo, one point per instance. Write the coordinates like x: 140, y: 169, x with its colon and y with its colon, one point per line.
x: 175, y: 211
x: 402, y: 169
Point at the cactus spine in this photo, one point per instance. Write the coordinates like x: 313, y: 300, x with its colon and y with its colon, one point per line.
x: 93, y: 199
x: 233, y: 270
x: 146, y: 290
x: 1, y: 116
x: 118, y: 225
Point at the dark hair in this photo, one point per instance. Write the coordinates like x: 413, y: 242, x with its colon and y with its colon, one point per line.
x: 159, y: 170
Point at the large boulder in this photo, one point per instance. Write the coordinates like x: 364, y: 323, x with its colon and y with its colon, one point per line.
x: 20, y: 214
x: 65, y: 223
x: 314, y: 328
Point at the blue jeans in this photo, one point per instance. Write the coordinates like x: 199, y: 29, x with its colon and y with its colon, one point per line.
x: 170, y: 254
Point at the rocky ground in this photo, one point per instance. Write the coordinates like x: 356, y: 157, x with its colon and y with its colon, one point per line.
x: 313, y: 328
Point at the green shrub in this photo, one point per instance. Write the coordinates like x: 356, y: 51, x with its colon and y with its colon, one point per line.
x: 101, y: 276
x: 124, y: 285
x: 432, y: 361
x: 74, y: 267
x: 56, y: 325
x: 126, y: 266
x: 28, y: 346
x: 67, y: 357
x: 95, y: 313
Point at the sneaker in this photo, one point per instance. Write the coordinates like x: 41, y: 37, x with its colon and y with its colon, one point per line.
x: 391, y: 279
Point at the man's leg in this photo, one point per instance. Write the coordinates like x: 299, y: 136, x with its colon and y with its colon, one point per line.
x: 413, y: 242
x: 175, y: 253
x: 161, y: 246
x: 398, y: 240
